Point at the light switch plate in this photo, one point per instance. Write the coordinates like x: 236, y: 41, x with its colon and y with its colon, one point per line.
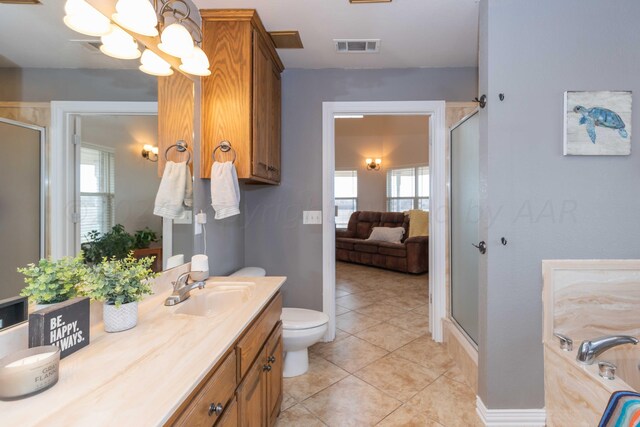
x: 312, y: 217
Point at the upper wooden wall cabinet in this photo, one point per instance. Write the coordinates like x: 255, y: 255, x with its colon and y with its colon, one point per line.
x: 241, y: 100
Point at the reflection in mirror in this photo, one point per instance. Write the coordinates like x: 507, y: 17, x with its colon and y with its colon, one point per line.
x: 21, y: 201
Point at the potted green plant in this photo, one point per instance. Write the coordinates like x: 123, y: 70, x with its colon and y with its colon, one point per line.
x: 53, y: 281
x: 116, y: 243
x: 143, y: 238
x: 120, y: 284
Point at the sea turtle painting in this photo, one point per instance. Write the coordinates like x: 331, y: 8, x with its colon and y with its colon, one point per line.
x: 599, y: 116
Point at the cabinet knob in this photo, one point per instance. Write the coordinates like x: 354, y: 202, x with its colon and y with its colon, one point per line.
x: 215, y: 409
x: 271, y: 359
x: 266, y: 368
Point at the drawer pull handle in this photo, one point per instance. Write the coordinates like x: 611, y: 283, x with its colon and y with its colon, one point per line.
x: 215, y: 409
x: 271, y: 359
x: 266, y: 368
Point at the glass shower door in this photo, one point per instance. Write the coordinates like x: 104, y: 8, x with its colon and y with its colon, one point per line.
x: 465, y: 214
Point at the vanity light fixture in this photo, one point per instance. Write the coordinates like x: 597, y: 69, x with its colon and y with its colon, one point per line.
x: 151, y: 63
x: 180, y: 35
x: 138, y: 16
x: 150, y: 152
x: 197, y: 63
x: 373, y: 164
x: 80, y: 16
x: 119, y: 44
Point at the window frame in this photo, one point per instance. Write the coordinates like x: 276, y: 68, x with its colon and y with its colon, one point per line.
x: 416, y: 198
x: 344, y: 225
x: 108, y: 197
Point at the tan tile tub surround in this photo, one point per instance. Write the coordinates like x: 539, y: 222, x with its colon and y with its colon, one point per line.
x: 463, y: 353
x: 140, y: 376
x: 586, y: 299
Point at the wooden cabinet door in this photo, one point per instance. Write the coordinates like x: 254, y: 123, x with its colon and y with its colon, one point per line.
x: 275, y: 355
x: 251, y: 397
x: 261, y: 107
x: 275, y: 123
x: 230, y: 416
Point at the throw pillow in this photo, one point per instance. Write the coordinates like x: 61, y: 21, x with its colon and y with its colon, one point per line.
x: 387, y: 234
x: 418, y: 223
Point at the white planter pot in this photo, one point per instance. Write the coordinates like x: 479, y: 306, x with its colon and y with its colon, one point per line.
x: 117, y: 319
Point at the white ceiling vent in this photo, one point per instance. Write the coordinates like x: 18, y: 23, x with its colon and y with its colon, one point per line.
x: 357, y: 46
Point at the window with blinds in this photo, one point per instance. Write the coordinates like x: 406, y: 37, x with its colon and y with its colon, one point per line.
x: 97, y: 190
x: 408, y: 188
x: 346, y: 196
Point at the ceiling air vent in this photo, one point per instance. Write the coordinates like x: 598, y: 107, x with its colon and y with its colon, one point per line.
x: 357, y: 46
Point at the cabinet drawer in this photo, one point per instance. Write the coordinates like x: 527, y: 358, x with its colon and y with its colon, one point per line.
x: 251, y: 343
x: 218, y: 390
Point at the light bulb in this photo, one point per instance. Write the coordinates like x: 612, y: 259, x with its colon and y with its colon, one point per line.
x: 138, y: 16
x: 378, y: 161
x: 119, y: 44
x: 80, y: 16
x: 196, y: 64
x: 154, y: 150
x: 368, y: 161
x: 154, y: 65
x: 176, y: 41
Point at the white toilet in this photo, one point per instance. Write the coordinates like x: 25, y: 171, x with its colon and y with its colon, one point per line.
x: 301, y: 328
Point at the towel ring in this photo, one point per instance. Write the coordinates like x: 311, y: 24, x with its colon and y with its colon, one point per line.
x: 225, y: 147
x: 181, y: 146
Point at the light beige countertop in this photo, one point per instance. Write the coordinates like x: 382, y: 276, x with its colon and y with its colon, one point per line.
x: 141, y: 376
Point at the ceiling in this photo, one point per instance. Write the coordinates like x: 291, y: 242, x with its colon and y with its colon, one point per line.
x: 413, y: 33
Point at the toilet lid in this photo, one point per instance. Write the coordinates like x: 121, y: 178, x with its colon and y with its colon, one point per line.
x: 300, y: 318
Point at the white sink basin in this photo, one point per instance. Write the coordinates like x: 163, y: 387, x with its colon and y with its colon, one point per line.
x: 216, y: 299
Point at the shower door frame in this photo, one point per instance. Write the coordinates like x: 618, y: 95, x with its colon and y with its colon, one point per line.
x: 44, y: 179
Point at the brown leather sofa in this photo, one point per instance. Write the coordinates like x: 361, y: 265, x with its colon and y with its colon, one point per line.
x: 409, y: 256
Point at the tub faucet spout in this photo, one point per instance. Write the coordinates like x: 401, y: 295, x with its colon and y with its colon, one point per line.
x: 591, y: 349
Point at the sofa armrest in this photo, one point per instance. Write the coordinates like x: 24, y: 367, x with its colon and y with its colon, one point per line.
x: 417, y: 254
x: 344, y: 233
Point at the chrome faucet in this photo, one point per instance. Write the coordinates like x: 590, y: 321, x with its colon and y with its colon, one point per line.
x: 590, y: 349
x: 182, y: 289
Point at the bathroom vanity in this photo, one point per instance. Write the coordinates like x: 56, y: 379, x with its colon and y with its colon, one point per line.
x: 213, y: 359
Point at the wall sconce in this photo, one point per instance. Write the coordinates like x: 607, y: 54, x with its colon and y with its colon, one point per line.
x: 150, y: 152
x: 373, y: 164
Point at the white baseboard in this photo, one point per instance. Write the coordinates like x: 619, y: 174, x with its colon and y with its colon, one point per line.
x: 510, y: 417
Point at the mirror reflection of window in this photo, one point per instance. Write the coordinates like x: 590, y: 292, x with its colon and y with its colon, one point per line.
x: 97, y: 189
x: 346, y: 196
x: 408, y: 188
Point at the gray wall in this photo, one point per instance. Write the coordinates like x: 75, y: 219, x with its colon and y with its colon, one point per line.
x: 547, y: 205
x: 274, y: 235
x: 39, y: 84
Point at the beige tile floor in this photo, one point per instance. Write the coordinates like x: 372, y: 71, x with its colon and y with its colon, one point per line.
x: 383, y: 369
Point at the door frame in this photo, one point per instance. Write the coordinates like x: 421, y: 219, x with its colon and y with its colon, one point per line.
x: 437, y: 201
x: 61, y: 182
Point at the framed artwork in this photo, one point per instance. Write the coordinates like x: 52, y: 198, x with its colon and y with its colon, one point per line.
x: 597, y: 123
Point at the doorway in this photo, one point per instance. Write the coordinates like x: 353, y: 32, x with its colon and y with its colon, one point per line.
x: 435, y: 110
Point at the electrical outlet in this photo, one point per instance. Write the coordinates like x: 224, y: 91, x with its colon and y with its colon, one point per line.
x: 187, y: 218
x: 312, y: 217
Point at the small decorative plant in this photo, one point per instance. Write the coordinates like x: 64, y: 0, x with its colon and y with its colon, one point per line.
x: 116, y: 243
x: 120, y: 281
x: 50, y: 282
x: 144, y: 238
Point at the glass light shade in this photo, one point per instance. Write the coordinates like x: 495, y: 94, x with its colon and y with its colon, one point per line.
x: 154, y: 65
x: 83, y: 18
x: 176, y: 41
x: 196, y: 64
x: 378, y: 161
x: 154, y: 150
x: 119, y: 44
x: 147, y: 147
x: 368, y: 161
x: 138, y: 16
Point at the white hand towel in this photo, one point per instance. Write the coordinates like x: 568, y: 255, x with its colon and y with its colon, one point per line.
x: 225, y: 191
x: 175, y: 191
